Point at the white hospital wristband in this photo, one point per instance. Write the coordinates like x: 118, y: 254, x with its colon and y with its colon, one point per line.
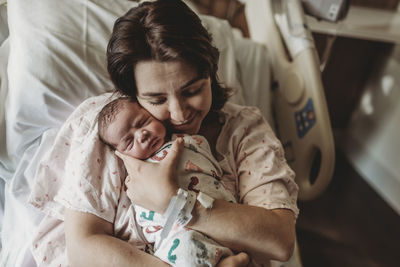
x: 205, y: 200
x: 185, y: 215
x: 175, y: 206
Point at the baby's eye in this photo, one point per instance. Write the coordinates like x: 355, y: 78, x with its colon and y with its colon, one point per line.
x: 129, y: 144
x: 145, y: 121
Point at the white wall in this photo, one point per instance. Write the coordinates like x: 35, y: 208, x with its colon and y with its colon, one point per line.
x: 372, y: 142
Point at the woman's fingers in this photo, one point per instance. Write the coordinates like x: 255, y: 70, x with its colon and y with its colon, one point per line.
x: 174, y: 152
x: 124, y: 157
x: 119, y: 155
x: 127, y: 180
x: 152, y: 185
x: 238, y: 260
x: 131, y: 164
x: 170, y: 159
x: 242, y: 259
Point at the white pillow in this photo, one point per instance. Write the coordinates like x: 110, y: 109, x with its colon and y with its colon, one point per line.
x: 4, y: 160
x: 3, y: 22
x: 58, y: 59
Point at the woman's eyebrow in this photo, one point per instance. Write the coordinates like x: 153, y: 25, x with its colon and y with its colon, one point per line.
x: 192, y: 81
x: 189, y: 83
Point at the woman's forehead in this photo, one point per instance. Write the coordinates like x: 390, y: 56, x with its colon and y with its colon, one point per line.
x: 161, y: 77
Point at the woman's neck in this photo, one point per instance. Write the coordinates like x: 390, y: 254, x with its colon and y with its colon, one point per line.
x: 210, y: 129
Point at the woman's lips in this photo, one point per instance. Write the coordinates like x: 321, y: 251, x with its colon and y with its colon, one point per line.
x: 184, y: 124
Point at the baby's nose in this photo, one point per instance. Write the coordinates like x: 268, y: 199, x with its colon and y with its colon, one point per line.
x: 143, y: 136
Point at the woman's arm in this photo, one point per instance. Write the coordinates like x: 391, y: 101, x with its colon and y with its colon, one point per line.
x: 265, y: 228
x: 263, y: 234
x: 90, y: 242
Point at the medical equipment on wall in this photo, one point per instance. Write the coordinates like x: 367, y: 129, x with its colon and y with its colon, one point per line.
x: 301, y: 113
x: 331, y: 10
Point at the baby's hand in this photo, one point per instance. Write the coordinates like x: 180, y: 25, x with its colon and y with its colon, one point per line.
x: 152, y: 185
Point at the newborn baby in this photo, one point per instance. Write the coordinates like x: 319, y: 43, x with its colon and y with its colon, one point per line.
x: 128, y: 128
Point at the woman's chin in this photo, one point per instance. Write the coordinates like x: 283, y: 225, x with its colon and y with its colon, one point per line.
x: 186, y: 129
x: 191, y: 127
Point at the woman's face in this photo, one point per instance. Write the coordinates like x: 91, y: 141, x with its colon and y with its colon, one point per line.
x: 174, y: 93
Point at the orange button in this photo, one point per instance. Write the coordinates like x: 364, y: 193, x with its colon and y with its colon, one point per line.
x: 310, y: 115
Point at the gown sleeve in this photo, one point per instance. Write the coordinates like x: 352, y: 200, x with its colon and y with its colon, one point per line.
x: 264, y: 178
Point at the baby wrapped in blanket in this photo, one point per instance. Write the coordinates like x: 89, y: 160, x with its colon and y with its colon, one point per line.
x: 131, y: 130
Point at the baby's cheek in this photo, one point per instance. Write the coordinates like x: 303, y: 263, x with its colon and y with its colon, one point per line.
x: 160, y: 125
x: 160, y: 129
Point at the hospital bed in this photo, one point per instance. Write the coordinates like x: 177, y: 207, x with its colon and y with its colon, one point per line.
x: 54, y: 58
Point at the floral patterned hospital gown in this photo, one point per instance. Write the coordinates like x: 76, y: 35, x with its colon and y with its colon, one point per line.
x: 83, y: 174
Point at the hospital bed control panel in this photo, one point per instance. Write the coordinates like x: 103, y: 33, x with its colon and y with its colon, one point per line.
x: 305, y: 119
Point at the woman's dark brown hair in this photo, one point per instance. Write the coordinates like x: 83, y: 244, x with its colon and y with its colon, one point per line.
x: 163, y: 30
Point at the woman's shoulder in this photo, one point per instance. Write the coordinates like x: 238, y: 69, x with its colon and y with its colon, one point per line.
x: 241, y: 122
x: 90, y: 107
x: 81, y: 125
x: 234, y: 112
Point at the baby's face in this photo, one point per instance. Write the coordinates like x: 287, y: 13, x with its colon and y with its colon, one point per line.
x: 135, y: 132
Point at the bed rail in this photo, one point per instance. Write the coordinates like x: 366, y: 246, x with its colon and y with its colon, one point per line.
x: 300, y: 108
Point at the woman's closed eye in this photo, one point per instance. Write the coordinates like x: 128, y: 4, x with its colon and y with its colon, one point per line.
x: 192, y: 92
x: 157, y: 101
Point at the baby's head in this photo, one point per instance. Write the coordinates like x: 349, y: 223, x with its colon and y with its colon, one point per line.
x: 130, y: 129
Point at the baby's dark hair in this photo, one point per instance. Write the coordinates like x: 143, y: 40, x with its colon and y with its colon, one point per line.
x: 107, y: 115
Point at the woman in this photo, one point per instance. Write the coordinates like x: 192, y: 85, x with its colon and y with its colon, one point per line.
x: 160, y: 53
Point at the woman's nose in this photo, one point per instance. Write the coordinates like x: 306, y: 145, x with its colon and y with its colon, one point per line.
x: 177, y: 112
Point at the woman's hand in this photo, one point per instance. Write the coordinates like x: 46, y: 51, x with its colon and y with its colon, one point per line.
x: 239, y: 260
x: 152, y: 185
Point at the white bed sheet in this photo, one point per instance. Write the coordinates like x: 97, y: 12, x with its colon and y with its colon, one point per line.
x: 56, y: 60
x: 4, y: 49
x: 4, y: 173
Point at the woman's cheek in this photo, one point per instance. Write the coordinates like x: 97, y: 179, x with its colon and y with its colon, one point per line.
x: 203, y: 102
x: 159, y: 128
x: 206, y: 97
x: 157, y: 111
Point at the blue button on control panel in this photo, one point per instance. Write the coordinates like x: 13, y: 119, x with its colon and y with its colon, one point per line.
x: 305, y: 119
